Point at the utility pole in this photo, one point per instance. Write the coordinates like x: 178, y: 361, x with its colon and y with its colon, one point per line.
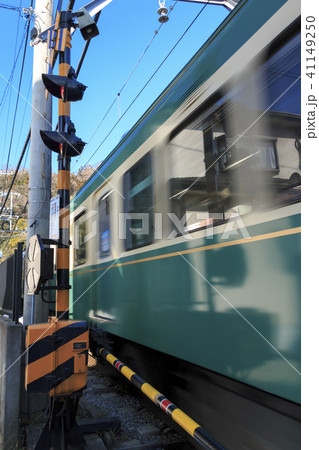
x: 60, y: 368
x: 40, y: 156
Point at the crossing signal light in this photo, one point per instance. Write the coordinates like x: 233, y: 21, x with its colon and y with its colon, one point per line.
x: 68, y: 89
x: 67, y: 144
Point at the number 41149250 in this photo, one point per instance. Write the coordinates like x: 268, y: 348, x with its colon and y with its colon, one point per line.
x: 310, y: 46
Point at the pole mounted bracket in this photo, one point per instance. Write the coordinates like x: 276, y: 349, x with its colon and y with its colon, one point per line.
x: 228, y: 4
x: 85, y: 22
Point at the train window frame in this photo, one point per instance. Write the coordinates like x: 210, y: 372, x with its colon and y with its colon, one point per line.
x: 271, y: 152
x: 129, y: 242
x: 214, y: 105
x: 107, y: 238
x: 217, y: 96
x: 76, y: 236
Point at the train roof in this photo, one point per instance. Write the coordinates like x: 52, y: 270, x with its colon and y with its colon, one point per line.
x: 245, y: 20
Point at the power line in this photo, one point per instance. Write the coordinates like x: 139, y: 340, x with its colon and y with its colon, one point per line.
x: 127, y: 80
x: 18, y: 96
x: 13, y: 8
x: 135, y: 67
x: 16, y: 172
x: 29, y: 133
x: 146, y: 84
x: 6, y: 129
x: 22, y: 121
x: 77, y: 71
x: 13, y: 68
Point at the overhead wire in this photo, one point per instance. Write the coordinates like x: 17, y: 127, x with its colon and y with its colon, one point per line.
x: 8, y: 84
x: 13, y: 69
x: 116, y: 99
x: 136, y: 97
x: 15, y: 173
x: 22, y: 120
x: 146, y: 84
x: 17, y: 102
x: 130, y: 75
x: 13, y: 8
x: 77, y: 72
x: 6, y: 128
x: 27, y: 142
x: 25, y: 151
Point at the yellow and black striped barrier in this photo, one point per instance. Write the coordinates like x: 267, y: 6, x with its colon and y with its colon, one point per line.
x: 188, y: 424
x: 57, y: 351
x: 57, y: 354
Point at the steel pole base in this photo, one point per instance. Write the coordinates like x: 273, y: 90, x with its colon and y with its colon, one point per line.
x: 61, y: 429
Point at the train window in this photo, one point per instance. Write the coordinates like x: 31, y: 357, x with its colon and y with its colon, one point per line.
x: 104, y: 226
x: 138, y: 204
x: 243, y: 153
x: 79, y: 240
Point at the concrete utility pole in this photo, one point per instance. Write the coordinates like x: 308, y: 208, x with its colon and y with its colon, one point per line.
x: 40, y: 156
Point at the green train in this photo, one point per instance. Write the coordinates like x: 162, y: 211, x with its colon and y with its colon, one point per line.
x: 186, y: 240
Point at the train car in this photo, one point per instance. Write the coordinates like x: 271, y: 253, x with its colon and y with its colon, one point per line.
x: 186, y: 240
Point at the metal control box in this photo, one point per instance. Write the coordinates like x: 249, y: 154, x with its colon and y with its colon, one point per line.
x: 56, y: 357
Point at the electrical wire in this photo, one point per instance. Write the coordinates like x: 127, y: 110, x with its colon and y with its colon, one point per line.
x: 6, y: 129
x: 13, y: 69
x: 134, y: 68
x: 4, y: 96
x: 13, y: 8
x: 27, y: 142
x: 17, y: 102
x: 16, y: 172
x: 158, y: 68
x: 146, y: 84
x: 124, y: 85
x: 26, y: 156
x: 22, y: 120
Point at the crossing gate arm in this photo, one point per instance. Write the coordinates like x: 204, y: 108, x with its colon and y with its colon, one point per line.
x: 183, y: 420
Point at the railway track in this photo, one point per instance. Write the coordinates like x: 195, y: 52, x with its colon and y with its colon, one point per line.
x: 137, y: 425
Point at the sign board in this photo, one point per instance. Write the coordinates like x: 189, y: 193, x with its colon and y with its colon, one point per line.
x: 54, y: 217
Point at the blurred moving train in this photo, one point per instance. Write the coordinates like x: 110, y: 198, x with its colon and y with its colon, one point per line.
x: 186, y: 241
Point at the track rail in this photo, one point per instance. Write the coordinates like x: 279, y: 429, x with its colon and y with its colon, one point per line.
x: 182, y: 419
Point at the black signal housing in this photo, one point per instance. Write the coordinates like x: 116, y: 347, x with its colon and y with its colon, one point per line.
x: 68, y: 89
x: 67, y: 144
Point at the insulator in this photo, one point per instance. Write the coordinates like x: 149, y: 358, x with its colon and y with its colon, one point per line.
x: 163, y: 19
x: 162, y: 11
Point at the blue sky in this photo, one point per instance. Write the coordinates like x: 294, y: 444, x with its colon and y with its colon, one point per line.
x: 126, y: 29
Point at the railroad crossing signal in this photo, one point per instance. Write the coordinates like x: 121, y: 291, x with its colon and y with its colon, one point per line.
x: 57, y: 351
x: 65, y: 143
x: 68, y: 89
